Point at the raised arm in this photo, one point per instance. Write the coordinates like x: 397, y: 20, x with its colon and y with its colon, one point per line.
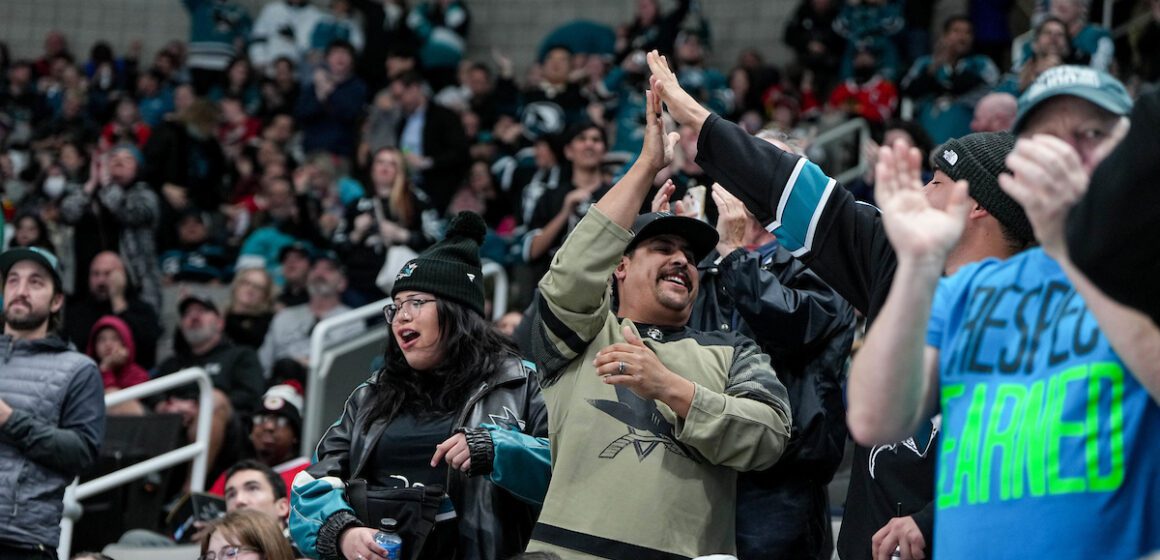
x: 818, y: 222
x: 894, y: 377
x: 574, y: 294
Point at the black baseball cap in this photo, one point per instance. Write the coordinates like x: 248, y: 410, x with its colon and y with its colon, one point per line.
x: 306, y: 249
x: 200, y: 299
x: 701, y: 236
x: 35, y: 254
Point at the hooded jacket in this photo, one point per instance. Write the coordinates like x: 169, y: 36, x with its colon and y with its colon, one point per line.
x: 129, y: 374
x: 493, y: 522
x: 53, y: 434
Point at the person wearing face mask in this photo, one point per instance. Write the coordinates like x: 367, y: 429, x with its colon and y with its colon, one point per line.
x: 866, y: 93
x: 289, y: 334
x: 446, y: 371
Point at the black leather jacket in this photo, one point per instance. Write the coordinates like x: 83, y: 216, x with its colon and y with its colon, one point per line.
x: 493, y: 524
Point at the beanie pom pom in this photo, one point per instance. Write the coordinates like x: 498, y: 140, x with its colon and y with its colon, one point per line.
x: 469, y: 225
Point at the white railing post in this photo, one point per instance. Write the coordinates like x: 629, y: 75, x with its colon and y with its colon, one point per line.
x: 197, y: 451
x: 499, y: 296
x: 853, y: 126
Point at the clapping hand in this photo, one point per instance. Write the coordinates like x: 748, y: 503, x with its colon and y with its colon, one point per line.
x: 658, y: 147
x: 917, y: 228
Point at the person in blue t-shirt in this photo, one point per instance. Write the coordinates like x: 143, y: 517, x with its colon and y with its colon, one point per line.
x: 1048, y: 389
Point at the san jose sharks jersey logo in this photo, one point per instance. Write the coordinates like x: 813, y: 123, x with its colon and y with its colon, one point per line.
x: 647, y: 428
x: 407, y: 270
x: 920, y: 445
x: 509, y: 419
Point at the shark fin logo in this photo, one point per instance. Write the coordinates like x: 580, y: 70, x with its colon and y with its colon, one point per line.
x: 407, y: 270
x: 647, y: 428
x: 509, y: 419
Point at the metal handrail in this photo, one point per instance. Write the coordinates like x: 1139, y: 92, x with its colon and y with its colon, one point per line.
x: 499, y: 297
x: 318, y: 372
x: 857, y: 126
x: 198, y: 450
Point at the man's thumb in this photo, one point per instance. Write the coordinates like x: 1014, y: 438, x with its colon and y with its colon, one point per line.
x: 631, y: 337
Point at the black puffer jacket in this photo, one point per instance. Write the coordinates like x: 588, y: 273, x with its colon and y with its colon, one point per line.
x: 493, y: 524
x: 806, y: 329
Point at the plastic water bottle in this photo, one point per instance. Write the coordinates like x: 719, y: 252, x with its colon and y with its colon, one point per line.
x: 389, y: 539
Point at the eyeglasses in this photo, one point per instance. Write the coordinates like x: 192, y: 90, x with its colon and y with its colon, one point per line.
x: 411, y: 308
x: 277, y: 419
x: 227, y: 553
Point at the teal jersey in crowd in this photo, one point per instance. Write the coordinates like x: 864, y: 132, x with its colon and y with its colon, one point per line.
x: 1048, y: 445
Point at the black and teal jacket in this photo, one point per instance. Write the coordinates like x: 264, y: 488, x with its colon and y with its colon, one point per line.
x: 843, y: 241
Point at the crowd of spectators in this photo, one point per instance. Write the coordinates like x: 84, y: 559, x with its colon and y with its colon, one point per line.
x: 292, y: 160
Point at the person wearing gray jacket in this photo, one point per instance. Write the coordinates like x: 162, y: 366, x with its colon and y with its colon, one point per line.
x: 52, y: 407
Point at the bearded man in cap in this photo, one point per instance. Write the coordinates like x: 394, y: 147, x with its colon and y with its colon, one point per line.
x: 234, y: 370
x: 651, y: 420
x: 1047, y: 388
x: 52, y: 406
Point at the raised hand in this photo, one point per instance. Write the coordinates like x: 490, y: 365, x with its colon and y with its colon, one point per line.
x: 658, y: 147
x: 917, y: 228
x: 732, y: 220
x: 1047, y: 179
x: 660, y: 202
x: 684, y: 109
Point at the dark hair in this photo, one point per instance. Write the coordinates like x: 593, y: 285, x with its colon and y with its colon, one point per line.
x: 101, y: 52
x: 473, y: 350
x: 42, y: 239
x: 341, y: 44
x: 1067, y: 56
x: 1015, y: 243
x: 476, y: 65
x: 410, y: 78
x: 276, y: 483
x: 955, y: 19
x: 917, y: 133
x: 580, y: 128
x: 556, y: 47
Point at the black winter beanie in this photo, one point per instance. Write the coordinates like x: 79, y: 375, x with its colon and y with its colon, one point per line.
x: 980, y: 158
x: 451, y: 268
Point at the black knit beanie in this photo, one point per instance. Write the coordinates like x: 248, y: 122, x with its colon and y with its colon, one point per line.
x: 980, y: 158
x: 449, y: 269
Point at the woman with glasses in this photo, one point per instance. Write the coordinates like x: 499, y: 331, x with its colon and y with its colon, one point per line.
x: 450, y: 407
x: 245, y: 534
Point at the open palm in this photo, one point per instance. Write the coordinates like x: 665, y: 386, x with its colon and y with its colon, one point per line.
x: 916, y: 227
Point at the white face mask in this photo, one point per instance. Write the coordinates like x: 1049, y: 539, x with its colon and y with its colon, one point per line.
x: 54, y: 186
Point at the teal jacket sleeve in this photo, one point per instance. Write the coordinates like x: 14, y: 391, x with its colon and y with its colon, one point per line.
x: 319, y: 512
x: 522, y: 464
